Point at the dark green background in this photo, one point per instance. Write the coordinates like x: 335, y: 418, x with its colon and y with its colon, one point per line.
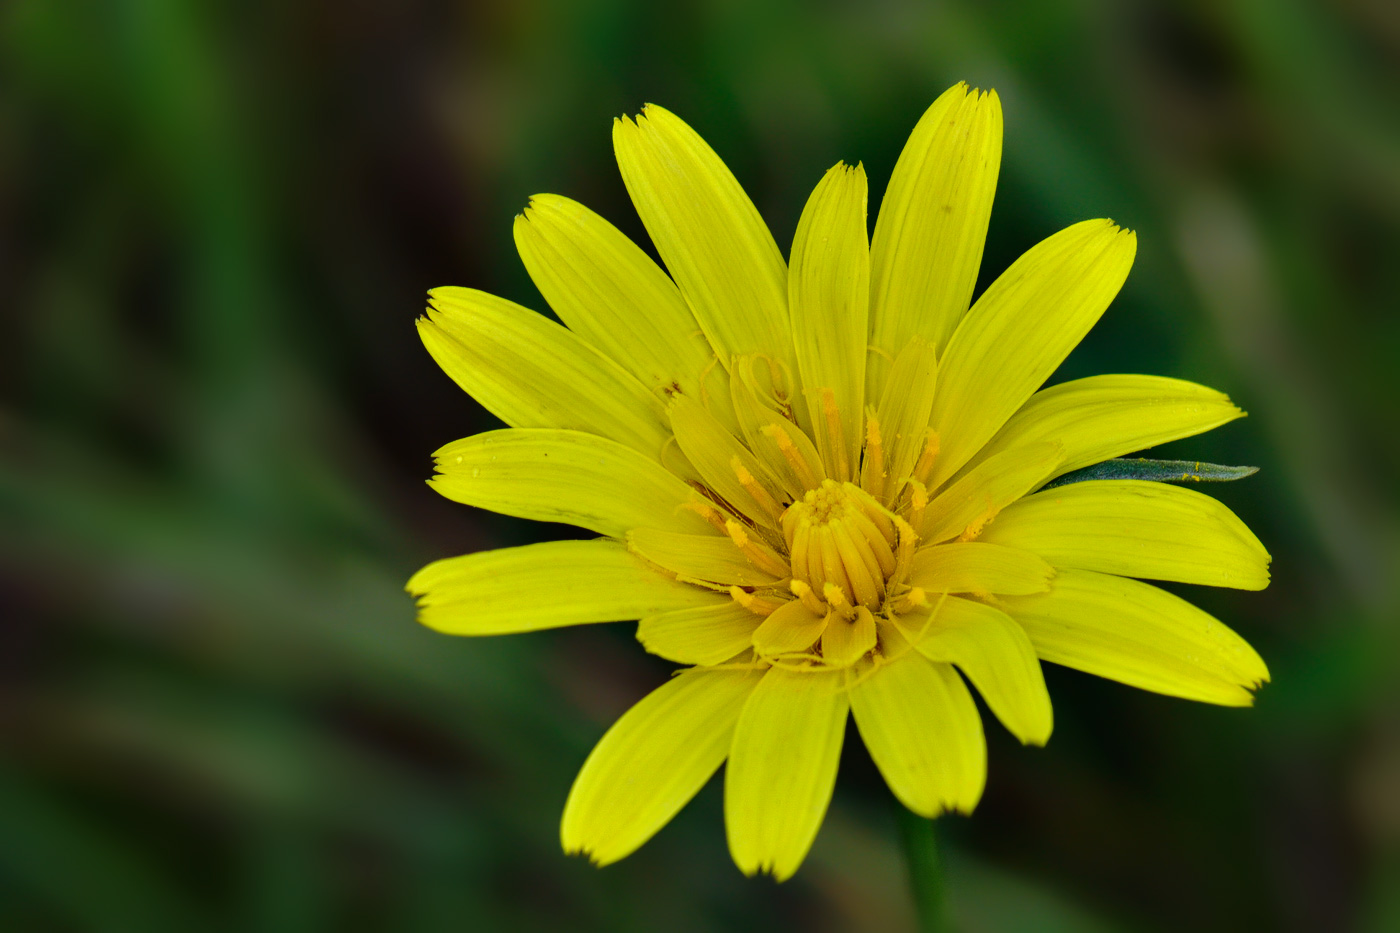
x: 219, y: 220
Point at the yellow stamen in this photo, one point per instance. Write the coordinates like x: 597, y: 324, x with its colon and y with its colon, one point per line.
x: 809, y: 598
x: 805, y: 474
x: 836, y: 598
x: 799, y: 545
x: 974, y: 528
x: 754, y: 488
x: 914, y: 599
x: 706, y: 511
x: 917, y: 637
x: 838, y: 534
x: 918, y: 501
x: 862, y: 569
x: 904, y: 551
x: 878, y: 540
x: 872, y: 470
x: 758, y: 553
x: 812, y: 566
x: 833, y: 568
x: 835, y: 436
x: 758, y: 605
x: 926, y: 457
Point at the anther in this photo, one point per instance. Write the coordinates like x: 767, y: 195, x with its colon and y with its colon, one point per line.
x: 974, y: 528
x: 706, y: 511
x: 758, y: 605
x: 862, y: 568
x: 805, y: 474
x: 918, y: 501
x: 835, y: 436
x: 836, y: 598
x: 916, y: 598
x: 904, y: 551
x: 926, y: 457
x: 754, y: 488
x: 872, y: 470
x: 759, y: 554
x: 809, y: 598
x: 832, y: 567
x: 878, y: 541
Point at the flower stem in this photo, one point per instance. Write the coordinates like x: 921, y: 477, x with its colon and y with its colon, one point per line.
x: 925, y: 871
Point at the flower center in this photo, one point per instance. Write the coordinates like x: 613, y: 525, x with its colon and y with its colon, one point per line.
x: 841, y: 544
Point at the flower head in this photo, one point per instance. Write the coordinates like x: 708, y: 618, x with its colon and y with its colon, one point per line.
x: 816, y: 483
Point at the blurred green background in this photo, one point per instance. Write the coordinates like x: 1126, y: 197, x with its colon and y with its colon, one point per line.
x: 219, y: 221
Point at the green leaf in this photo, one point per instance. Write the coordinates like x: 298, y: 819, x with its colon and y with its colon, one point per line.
x: 1157, y: 471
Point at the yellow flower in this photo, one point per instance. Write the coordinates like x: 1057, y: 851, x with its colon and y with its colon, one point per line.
x: 815, y: 483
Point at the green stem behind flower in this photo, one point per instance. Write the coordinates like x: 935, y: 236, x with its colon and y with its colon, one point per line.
x: 925, y: 871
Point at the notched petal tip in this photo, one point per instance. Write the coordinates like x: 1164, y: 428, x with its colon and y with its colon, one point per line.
x: 419, y: 584
x: 447, y: 293
x: 580, y: 850
x: 623, y: 127
x: 770, y: 869
x: 1127, y: 236
x: 944, y: 808
x: 542, y: 203
x: 572, y: 845
x: 984, y: 99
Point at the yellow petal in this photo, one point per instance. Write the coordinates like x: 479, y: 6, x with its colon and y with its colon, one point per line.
x: 782, y: 768
x: 933, y: 222
x: 713, y: 558
x: 1139, y: 635
x: 846, y: 641
x: 829, y: 296
x: 708, y: 233
x: 1136, y: 529
x: 531, y: 373
x: 1021, y: 328
x: 975, y: 567
x: 903, y: 412
x: 966, y: 505
x: 566, y: 476
x: 922, y: 729
x: 1101, y: 417
x: 790, y: 629
x: 708, y: 635
x: 610, y: 293
x: 652, y: 761
x: 715, y: 453
x: 539, y: 586
x: 997, y: 656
